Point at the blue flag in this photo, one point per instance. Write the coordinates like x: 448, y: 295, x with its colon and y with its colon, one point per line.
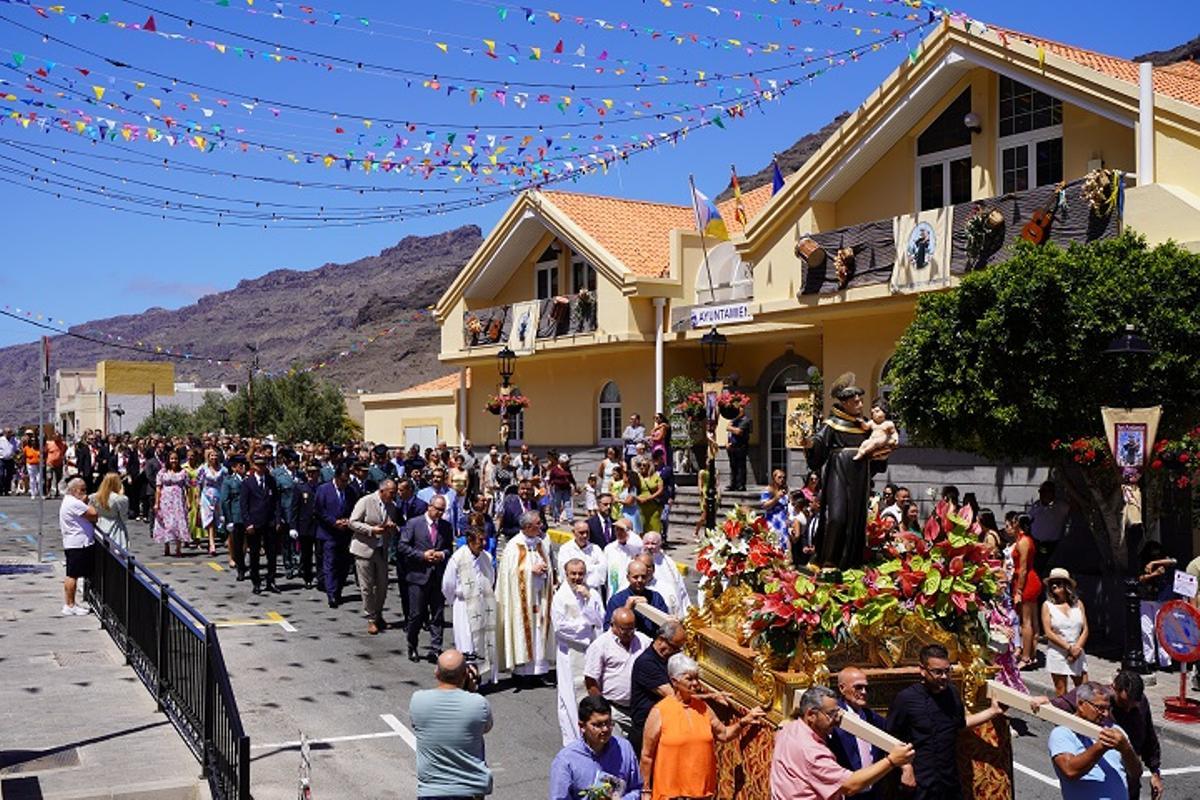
x: 776, y: 179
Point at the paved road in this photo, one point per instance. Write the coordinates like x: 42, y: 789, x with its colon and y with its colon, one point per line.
x: 301, y: 667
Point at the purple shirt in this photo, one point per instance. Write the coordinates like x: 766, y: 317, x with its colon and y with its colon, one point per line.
x: 576, y: 769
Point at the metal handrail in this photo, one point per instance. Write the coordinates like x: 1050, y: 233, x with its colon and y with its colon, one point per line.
x: 175, y: 652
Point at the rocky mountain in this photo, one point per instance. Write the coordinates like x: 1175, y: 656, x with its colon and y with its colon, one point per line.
x: 790, y: 159
x: 1188, y: 51
x: 294, y: 317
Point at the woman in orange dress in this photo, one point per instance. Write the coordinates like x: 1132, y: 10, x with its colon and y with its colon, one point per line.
x: 679, y: 758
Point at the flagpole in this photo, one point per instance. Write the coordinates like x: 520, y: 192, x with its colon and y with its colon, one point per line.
x: 712, y: 289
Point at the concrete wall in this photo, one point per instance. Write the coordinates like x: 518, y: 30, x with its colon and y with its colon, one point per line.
x: 136, y: 377
x: 386, y: 416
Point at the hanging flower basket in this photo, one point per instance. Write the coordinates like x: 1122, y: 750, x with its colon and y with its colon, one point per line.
x: 730, y: 404
x: 512, y: 404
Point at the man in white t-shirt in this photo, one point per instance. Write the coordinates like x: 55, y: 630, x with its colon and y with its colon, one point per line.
x: 1048, y: 522
x: 76, y: 520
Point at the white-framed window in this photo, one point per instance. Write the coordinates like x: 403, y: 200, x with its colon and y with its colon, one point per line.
x: 583, y: 275
x: 610, y: 414
x: 1030, y: 145
x: 546, y: 273
x: 516, y: 428
x: 944, y: 158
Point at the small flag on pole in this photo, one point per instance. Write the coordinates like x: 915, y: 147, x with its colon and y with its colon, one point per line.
x: 776, y: 177
x: 739, y: 210
x: 708, y: 218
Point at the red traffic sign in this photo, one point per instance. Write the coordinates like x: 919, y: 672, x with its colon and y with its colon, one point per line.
x: 1178, y: 630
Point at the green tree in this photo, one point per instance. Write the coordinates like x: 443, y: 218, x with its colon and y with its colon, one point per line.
x: 212, y: 414
x: 166, y: 421
x: 1014, y: 356
x: 293, y: 407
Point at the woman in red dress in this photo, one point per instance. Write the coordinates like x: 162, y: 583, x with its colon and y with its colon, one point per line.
x: 1026, y: 589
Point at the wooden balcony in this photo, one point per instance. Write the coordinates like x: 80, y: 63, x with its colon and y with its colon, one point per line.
x: 564, y: 315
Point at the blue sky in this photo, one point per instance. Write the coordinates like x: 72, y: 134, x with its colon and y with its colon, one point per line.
x: 80, y: 262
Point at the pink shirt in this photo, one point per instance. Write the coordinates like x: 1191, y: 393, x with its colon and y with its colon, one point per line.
x: 803, y: 767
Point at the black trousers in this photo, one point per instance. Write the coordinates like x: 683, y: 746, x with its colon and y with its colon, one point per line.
x: 7, y: 470
x: 737, y: 468
x: 402, y: 585
x: 288, y: 549
x: 425, y: 606
x: 335, y: 563
x: 309, y: 545
x: 252, y: 544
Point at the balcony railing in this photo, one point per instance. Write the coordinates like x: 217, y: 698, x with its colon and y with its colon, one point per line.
x: 564, y: 315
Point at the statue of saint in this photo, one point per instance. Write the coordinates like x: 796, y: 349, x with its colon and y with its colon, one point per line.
x: 845, y: 481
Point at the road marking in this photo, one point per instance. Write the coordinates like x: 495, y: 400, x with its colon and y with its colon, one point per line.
x: 276, y: 617
x: 1033, y: 773
x: 1175, y: 771
x: 217, y: 567
x: 234, y: 623
x: 397, y: 730
x: 401, y: 731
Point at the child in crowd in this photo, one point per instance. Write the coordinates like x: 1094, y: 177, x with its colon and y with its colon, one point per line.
x: 589, y: 497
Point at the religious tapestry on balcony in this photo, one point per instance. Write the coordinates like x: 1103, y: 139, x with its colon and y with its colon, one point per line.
x: 923, y: 251
x: 874, y: 252
x: 523, y: 335
x: 1073, y: 222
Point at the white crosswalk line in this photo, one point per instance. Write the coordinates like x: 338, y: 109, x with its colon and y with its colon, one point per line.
x: 1033, y: 773
x: 401, y: 731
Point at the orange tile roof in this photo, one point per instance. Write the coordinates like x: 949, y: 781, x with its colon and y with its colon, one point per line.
x: 1179, y: 81
x: 635, y: 231
x: 444, y: 383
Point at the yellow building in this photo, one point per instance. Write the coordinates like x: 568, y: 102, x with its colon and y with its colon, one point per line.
x: 604, y: 298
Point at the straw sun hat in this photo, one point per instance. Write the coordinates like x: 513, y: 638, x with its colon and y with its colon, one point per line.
x: 1060, y: 574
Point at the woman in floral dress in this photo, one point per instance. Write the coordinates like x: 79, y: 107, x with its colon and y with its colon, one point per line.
x: 170, y: 506
x: 775, y: 507
x: 208, y: 484
x: 192, y: 470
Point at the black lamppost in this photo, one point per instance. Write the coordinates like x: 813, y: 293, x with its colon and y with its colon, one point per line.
x: 1124, y: 346
x: 712, y: 346
x: 506, y: 363
x: 118, y: 412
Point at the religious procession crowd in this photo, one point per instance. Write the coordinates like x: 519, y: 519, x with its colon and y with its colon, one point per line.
x: 471, y: 532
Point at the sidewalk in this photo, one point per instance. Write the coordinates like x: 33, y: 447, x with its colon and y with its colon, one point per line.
x: 75, y: 722
x: 1165, y: 684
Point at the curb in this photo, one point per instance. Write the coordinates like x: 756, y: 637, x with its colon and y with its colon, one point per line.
x: 1168, y: 731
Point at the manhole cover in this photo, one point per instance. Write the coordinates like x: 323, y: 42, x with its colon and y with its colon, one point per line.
x: 24, y: 762
x: 84, y: 658
x: 24, y: 569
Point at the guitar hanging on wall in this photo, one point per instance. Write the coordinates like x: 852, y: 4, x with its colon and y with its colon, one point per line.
x: 1037, y: 230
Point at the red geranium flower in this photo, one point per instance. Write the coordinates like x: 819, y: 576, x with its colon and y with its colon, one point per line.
x: 1156, y: 464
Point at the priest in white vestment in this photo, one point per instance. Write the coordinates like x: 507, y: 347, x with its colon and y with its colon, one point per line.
x: 524, y: 588
x: 667, y: 581
x: 469, y: 586
x: 578, y: 617
x: 591, y: 554
x: 619, y: 552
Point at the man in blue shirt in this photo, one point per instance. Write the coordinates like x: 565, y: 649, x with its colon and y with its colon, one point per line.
x: 449, y: 724
x: 850, y: 751
x: 1093, y: 769
x: 596, y: 758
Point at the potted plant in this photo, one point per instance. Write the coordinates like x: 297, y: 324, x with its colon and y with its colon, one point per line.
x: 585, y: 310
x: 506, y: 404
x: 730, y: 403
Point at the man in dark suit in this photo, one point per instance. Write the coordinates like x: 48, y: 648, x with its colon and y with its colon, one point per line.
x: 425, y: 544
x: 600, y: 526
x: 850, y: 751
x: 516, y: 505
x: 259, y: 503
x: 304, y: 504
x: 408, y: 506
x: 332, y: 510
x: 85, y: 461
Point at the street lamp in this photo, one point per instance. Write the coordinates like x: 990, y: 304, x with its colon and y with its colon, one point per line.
x: 1123, y: 346
x: 118, y: 412
x: 712, y: 347
x: 507, y: 363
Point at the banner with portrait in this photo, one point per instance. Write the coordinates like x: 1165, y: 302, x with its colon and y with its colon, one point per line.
x: 1130, y: 433
x: 922, y: 251
x: 523, y: 335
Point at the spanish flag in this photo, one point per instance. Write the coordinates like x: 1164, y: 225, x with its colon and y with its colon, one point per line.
x: 708, y: 218
x: 739, y: 210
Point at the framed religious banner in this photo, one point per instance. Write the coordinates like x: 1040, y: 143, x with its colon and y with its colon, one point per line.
x: 1131, y: 444
x: 712, y: 391
x: 523, y: 335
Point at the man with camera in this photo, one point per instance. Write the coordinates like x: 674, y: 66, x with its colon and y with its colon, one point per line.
x: 449, y: 723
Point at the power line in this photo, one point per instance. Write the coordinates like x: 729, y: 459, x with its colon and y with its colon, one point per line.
x: 118, y: 345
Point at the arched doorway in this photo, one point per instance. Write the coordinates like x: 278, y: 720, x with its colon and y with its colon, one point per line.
x: 775, y: 442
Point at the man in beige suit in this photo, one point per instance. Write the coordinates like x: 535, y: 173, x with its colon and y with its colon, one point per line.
x: 372, y: 524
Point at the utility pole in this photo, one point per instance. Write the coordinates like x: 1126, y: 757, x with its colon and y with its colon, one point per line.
x: 250, y: 385
x: 41, y: 490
